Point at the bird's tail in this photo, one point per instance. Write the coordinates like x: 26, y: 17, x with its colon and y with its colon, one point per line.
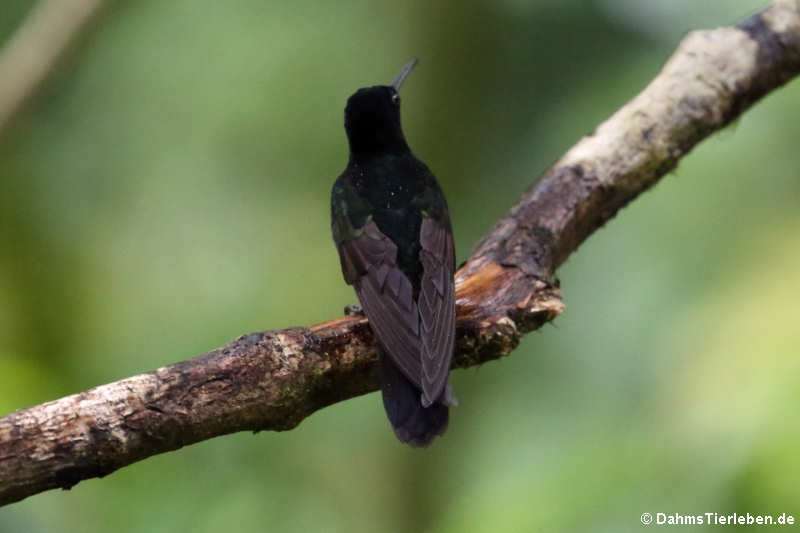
x: 412, y: 423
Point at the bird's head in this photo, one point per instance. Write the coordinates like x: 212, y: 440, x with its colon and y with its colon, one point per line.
x: 372, y: 119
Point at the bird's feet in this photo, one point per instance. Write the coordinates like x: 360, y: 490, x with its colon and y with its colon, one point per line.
x: 353, y: 309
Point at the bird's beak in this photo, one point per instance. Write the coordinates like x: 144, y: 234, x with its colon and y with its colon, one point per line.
x: 398, y: 81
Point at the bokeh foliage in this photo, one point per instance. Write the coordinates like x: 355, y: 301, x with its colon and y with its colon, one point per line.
x: 167, y: 190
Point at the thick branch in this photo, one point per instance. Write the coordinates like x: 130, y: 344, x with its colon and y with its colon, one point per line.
x: 273, y: 380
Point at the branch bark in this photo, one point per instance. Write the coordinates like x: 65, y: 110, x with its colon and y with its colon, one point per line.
x: 274, y: 379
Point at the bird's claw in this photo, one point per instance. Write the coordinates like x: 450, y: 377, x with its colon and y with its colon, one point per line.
x: 353, y: 309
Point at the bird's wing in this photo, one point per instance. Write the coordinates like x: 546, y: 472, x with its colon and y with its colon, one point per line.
x: 369, y: 264
x: 436, y: 307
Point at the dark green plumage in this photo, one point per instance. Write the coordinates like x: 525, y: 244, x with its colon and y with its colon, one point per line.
x: 391, y: 227
x: 395, y: 191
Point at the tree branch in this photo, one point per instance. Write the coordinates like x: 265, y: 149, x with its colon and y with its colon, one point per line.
x: 29, y: 56
x: 274, y: 379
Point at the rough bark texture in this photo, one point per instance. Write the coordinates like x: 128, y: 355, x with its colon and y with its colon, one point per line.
x: 273, y: 380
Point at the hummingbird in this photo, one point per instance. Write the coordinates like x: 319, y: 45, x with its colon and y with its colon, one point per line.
x: 391, y: 227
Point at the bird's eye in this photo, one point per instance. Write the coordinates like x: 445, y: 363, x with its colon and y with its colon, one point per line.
x: 395, y: 99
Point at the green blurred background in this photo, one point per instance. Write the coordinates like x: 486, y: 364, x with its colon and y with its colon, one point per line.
x: 168, y: 190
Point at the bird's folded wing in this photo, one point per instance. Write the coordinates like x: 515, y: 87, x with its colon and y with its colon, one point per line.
x: 369, y: 264
x: 436, y: 307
